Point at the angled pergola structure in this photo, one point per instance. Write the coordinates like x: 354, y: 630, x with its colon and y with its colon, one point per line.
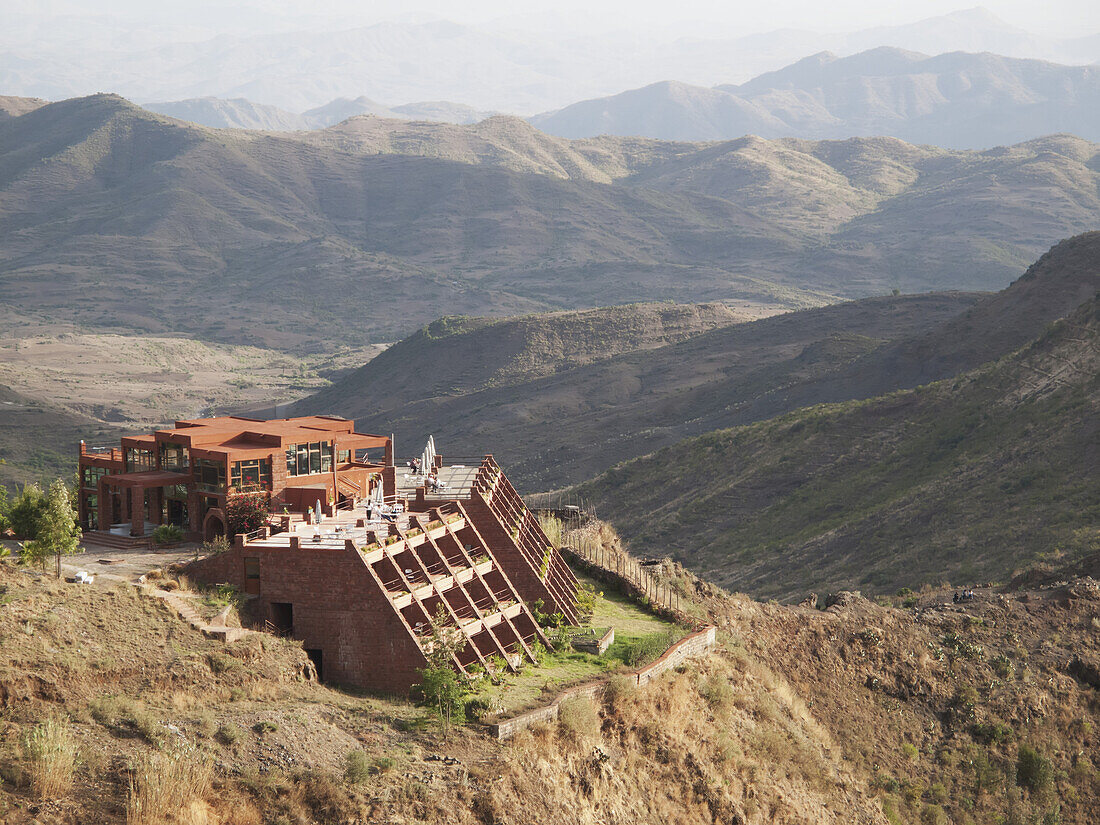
x: 361, y: 593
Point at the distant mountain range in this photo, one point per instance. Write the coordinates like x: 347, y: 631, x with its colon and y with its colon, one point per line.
x: 244, y: 114
x: 955, y: 100
x: 959, y: 100
x: 116, y: 217
x: 43, y: 54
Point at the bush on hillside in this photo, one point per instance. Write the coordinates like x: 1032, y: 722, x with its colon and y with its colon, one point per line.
x: 1033, y: 770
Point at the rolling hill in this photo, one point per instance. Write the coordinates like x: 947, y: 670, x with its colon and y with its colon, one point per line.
x: 627, y: 404
x: 115, y: 217
x: 564, y: 426
x: 457, y: 356
x: 956, y: 100
x: 964, y: 480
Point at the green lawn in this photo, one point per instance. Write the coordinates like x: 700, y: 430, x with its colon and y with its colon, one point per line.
x: 640, y: 637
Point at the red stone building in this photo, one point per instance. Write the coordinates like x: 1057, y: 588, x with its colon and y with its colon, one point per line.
x: 361, y: 586
x: 182, y: 476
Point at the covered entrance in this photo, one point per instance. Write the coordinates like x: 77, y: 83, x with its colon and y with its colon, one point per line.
x: 142, y: 499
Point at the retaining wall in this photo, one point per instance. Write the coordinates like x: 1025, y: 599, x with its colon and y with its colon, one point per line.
x: 696, y: 644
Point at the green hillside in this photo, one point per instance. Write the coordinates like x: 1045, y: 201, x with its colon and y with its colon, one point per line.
x: 965, y: 480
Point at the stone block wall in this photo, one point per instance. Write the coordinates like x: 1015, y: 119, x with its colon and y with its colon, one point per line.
x: 697, y: 644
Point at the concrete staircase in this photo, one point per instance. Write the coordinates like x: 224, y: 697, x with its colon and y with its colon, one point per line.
x: 101, y: 538
x: 216, y: 628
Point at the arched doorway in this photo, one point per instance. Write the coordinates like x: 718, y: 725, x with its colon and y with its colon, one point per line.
x: 213, y: 525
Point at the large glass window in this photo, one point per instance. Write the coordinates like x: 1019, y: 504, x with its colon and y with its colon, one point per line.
x: 138, y: 459
x: 211, y: 475
x: 251, y: 475
x: 174, y: 457
x: 91, y: 513
x: 305, y: 459
x: 92, y: 475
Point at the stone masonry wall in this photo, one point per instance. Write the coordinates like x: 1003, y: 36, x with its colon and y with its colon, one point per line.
x: 697, y: 644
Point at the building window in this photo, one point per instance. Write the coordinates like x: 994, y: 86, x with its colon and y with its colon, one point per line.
x: 174, y: 457
x: 251, y: 475
x: 91, y: 513
x: 138, y: 460
x: 306, y: 459
x: 343, y: 457
x: 211, y: 475
x: 92, y: 475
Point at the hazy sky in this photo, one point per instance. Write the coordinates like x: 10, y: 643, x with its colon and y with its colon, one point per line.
x: 1063, y: 18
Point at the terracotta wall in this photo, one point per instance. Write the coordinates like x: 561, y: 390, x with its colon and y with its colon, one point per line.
x: 338, y: 609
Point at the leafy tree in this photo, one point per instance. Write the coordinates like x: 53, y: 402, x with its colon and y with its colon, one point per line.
x: 25, y: 511
x: 442, y: 686
x: 58, y: 532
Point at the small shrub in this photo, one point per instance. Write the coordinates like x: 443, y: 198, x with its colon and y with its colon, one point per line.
x: 586, y: 601
x: 481, y: 708
x: 221, y: 664
x: 50, y: 752
x: 357, y: 767
x: 167, y: 534
x: 1033, y: 770
x: 1002, y: 666
x: 126, y: 717
x: 618, y: 690
x: 382, y: 764
x: 991, y: 732
x: 265, y: 727
x: 910, y: 751
x: 229, y: 734
x: 578, y: 716
x: 219, y: 544
x: 717, y: 691
x: 933, y: 815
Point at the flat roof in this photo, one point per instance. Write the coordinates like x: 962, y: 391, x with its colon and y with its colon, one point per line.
x: 238, y: 434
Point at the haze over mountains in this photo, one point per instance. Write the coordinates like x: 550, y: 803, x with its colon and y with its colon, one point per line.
x: 500, y: 68
x: 244, y: 114
x: 120, y: 218
x: 957, y: 100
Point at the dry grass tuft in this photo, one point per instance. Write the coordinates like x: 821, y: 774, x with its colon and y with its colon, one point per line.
x: 171, y: 782
x: 551, y: 525
x: 50, y: 752
x: 578, y: 717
